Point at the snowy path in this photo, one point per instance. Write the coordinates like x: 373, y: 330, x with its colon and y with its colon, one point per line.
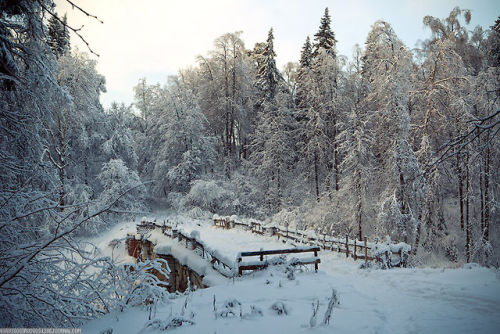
x: 372, y: 301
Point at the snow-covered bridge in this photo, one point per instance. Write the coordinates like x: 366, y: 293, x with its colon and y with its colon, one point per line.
x: 194, y: 259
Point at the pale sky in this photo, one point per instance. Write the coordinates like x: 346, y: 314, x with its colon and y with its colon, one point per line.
x: 155, y: 38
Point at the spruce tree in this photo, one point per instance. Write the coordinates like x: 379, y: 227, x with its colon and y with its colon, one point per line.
x: 267, y: 74
x: 325, y: 38
x: 58, y: 35
x: 493, y: 52
x: 323, y: 82
x: 302, y: 76
x: 306, y: 54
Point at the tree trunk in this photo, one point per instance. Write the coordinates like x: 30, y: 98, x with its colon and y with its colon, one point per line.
x: 481, y: 194
x: 61, y: 164
x: 359, y: 206
x: 460, y: 190
x: 336, y: 162
x: 316, y: 175
x: 487, y: 203
x: 468, y: 240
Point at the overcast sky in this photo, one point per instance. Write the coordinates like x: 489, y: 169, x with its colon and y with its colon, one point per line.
x: 154, y: 38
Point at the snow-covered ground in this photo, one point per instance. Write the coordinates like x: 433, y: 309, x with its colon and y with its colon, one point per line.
x: 465, y: 300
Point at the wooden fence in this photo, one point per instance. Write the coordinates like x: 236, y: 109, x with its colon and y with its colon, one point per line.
x: 263, y: 264
x: 354, y: 248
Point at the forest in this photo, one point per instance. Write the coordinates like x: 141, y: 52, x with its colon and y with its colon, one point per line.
x: 390, y: 141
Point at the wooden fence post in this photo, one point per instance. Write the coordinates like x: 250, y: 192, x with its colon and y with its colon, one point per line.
x: 315, y: 262
x: 346, y: 245
x: 366, y: 250
x: 355, y: 249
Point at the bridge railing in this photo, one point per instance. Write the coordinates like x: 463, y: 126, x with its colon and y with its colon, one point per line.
x: 192, y: 243
x: 263, y: 263
x: 390, y: 254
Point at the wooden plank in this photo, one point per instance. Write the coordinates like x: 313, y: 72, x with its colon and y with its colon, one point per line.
x: 253, y: 266
x: 265, y: 265
x: 281, y: 251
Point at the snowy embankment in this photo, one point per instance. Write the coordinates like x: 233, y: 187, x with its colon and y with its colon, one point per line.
x: 465, y: 300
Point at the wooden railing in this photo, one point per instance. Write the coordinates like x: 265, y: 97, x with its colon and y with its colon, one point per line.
x: 229, y: 270
x: 350, y: 247
x: 190, y: 243
x: 264, y: 263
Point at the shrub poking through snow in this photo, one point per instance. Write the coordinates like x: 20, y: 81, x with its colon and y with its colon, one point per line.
x: 256, y: 311
x: 232, y: 308
x: 280, y: 308
x: 215, y: 307
x: 106, y: 331
x: 290, y: 273
x: 170, y: 323
x: 332, y: 301
x: 315, y: 309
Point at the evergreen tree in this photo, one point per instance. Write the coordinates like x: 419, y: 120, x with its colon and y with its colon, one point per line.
x: 303, y: 77
x: 306, y: 54
x: 58, y: 38
x: 493, y: 52
x: 268, y: 75
x: 324, y: 96
x: 325, y: 38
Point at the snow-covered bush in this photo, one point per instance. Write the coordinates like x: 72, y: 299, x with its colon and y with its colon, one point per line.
x: 198, y: 213
x: 286, y: 218
x: 382, y: 253
x: 255, y: 311
x: 315, y: 309
x: 122, y: 286
x: 231, y: 308
x: 209, y: 196
x: 280, y: 308
x: 175, y: 200
x: 170, y: 323
x: 122, y: 187
x: 332, y: 301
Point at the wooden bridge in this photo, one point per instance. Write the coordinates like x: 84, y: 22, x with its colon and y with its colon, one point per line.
x: 223, y: 266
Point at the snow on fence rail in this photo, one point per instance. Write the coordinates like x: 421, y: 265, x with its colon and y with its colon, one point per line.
x: 192, y: 242
x: 264, y: 263
x: 221, y: 264
x: 364, y: 250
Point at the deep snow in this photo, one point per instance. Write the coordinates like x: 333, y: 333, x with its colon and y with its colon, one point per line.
x: 465, y: 300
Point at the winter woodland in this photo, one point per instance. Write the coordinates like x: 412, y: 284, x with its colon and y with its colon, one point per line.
x: 389, y: 141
